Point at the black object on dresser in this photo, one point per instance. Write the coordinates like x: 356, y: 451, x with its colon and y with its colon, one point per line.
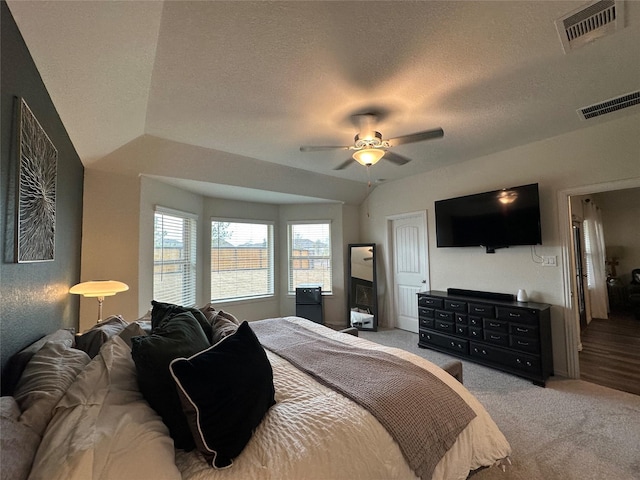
x: 488, y: 328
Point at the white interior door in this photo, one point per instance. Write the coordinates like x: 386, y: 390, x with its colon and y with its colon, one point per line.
x: 409, y: 237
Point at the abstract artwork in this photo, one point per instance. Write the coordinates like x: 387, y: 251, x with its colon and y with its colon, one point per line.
x: 38, y: 163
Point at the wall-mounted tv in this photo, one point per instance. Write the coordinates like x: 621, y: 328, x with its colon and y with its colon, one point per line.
x: 497, y: 219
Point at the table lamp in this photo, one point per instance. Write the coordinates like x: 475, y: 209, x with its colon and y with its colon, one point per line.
x: 99, y: 289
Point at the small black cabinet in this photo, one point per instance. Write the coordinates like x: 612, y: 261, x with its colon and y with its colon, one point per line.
x: 504, y: 334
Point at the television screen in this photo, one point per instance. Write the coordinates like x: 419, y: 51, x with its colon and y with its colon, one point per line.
x: 497, y: 219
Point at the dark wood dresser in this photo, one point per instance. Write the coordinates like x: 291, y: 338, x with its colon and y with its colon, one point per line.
x: 490, y: 329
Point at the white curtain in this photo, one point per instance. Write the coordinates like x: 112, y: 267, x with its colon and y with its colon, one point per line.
x: 595, y: 259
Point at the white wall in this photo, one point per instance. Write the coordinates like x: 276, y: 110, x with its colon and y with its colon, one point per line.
x: 606, y: 152
x: 110, y: 242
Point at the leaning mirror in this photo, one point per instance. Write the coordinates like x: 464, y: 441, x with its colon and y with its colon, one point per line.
x: 363, y: 296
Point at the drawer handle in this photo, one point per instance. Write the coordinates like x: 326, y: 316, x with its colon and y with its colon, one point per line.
x: 494, y: 324
x: 453, y: 344
x: 476, y: 309
x: 455, y: 305
x: 516, y: 315
x: 484, y: 352
x: 523, y: 330
x: 524, y: 344
x: 518, y: 360
x: 494, y: 337
x: 444, y: 325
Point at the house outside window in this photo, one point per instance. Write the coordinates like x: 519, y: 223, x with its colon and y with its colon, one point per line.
x: 310, y: 255
x: 242, y: 265
x: 174, y: 257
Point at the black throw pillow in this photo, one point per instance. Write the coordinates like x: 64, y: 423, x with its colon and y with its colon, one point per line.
x: 225, y: 390
x: 178, y: 336
x: 161, y: 311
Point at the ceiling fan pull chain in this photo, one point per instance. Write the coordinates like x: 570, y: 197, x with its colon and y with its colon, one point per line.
x: 368, y: 187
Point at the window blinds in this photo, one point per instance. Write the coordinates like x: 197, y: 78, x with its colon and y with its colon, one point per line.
x: 310, y: 255
x: 174, y: 257
x: 241, y: 260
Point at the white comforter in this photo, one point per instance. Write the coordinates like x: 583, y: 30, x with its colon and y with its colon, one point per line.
x: 102, y: 429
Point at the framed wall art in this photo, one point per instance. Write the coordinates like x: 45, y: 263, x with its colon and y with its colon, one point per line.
x: 37, y: 172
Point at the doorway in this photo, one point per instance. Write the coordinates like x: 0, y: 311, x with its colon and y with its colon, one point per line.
x: 574, y: 311
x: 409, y: 257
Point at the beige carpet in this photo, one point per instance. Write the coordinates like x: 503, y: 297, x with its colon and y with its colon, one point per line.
x: 569, y: 430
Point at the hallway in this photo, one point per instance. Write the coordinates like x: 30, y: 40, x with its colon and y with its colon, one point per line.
x: 610, y: 353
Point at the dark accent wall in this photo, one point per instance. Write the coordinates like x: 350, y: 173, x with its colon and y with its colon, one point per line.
x: 33, y: 296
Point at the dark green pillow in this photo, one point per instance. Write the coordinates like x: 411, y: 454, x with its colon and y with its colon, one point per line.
x: 178, y: 336
x: 162, y: 311
x: 225, y: 390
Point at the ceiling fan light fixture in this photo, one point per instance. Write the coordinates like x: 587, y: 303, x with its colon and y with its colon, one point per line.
x: 368, y: 156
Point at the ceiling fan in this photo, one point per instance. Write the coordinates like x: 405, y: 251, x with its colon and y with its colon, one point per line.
x: 369, y: 146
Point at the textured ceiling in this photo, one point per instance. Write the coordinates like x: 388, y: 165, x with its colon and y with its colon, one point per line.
x: 259, y: 79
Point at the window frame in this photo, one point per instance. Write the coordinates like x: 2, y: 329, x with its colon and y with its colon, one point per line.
x: 190, y: 237
x: 290, y: 258
x: 271, y: 280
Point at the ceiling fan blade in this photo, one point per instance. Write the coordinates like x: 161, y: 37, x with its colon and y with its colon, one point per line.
x: 345, y: 164
x: 417, y: 137
x: 321, y: 148
x: 395, y: 158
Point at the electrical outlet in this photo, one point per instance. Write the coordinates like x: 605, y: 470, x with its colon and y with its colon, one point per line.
x: 550, y: 261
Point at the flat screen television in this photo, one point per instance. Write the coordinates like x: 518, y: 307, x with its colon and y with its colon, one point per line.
x: 497, y: 219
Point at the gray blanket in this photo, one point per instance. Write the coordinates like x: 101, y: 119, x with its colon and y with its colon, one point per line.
x: 419, y: 411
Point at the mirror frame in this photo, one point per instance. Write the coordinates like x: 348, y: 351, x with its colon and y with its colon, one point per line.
x: 354, y: 283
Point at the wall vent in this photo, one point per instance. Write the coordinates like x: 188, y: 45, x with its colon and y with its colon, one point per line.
x: 592, y: 21
x: 608, y: 106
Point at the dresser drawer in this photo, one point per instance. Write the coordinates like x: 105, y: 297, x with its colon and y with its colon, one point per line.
x: 517, y: 315
x: 520, y: 361
x: 495, y: 325
x: 462, y: 330
x: 446, y: 316
x: 475, y: 332
x: 525, y: 344
x: 443, y: 326
x: 430, y: 302
x: 426, y: 312
x: 426, y: 322
x: 482, y: 310
x: 444, y: 341
x: 461, y: 318
x: 523, y: 330
x: 455, y: 306
x: 475, y: 321
x: 496, y: 337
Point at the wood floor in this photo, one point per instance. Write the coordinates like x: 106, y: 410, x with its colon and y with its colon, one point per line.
x: 610, y: 353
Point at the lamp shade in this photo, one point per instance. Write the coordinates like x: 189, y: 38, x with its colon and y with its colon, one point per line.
x: 99, y: 288
x: 368, y: 156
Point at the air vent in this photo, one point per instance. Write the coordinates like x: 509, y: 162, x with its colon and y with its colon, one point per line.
x: 595, y: 20
x: 609, y: 106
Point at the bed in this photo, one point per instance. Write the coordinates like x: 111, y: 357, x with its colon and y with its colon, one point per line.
x: 94, y: 421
